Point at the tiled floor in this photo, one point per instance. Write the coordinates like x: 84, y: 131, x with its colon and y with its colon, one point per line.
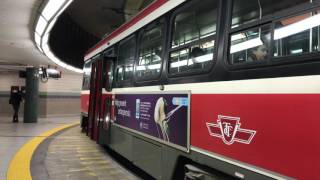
x: 71, y: 155
x: 13, y: 136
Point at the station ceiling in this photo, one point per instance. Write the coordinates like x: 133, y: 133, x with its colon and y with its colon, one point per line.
x: 94, y: 19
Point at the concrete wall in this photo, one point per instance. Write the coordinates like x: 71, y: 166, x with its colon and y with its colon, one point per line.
x: 56, y: 97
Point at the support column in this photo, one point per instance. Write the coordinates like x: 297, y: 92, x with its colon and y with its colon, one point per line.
x: 31, y: 98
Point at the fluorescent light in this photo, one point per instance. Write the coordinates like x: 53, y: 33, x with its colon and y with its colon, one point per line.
x: 45, y: 39
x: 246, y: 45
x: 141, y: 68
x: 180, y: 63
x: 64, y: 7
x: 71, y: 68
x: 41, y: 25
x: 50, y: 13
x: 128, y: 69
x: 296, y: 51
x: 200, y: 59
x: 45, y: 48
x: 51, y: 8
x: 204, y: 58
x: 237, y: 37
x: 56, y: 60
x: 153, y: 66
x: 51, y: 23
x: 39, y: 48
x: 37, y: 39
x: 297, y: 27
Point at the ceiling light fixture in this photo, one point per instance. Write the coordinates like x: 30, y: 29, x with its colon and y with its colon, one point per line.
x: 46, y: 20
x: 52, y: 7
x: 41, y: 25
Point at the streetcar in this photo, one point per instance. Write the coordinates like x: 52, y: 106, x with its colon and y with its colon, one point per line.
x: 210, y: 89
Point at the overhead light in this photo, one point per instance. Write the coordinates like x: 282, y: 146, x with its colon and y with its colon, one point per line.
x: 180, y: 63
x: 64, y: 7
x: 246, y: 45
x: 51, y: 8
x: 188, y: 62
x: 44, y: 25
x: 204, y: 58
x: 297, y: 27
x: 56, y: 60
x: 128, y: 69
x: 141, y: 68
x: 71, y: 68
x: 45, y: 48
x: 39, y: 48
x: 37, y: 39
x: 151, y: 67
x: 41, y: 25
x: 50, y: 25
x: 296, y: 51
x: 238, y: 36
x: 45, y: 38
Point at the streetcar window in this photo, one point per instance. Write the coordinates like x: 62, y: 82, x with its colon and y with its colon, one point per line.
x: 297, y: 35
x: 251, y: 10
x: 126, y: 59
x: 150, y: 54
x: 107, y: 74
x: 86, y: 76
x: 108, y: 66
x: 250, y: 46
x: 193, y: 38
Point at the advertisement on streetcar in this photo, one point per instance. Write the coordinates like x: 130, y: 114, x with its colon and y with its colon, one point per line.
x: 163, y: 117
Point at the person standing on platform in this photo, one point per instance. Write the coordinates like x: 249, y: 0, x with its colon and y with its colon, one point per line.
x: 15, y: 100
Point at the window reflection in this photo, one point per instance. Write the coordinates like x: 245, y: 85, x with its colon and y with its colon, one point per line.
x: 251, y: 10
x: 126, y: 59
x: 297, y: 35
x: 193, y: 38
x: 86, y: 76
x: 150, y: 54
x: 194, y: 58
x: 196, y: 23
x: 250, y: 46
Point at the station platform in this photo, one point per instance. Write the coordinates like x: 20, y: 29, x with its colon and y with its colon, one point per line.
x: 54, y: 148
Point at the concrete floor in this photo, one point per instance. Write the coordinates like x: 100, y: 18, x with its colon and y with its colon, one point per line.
x: 14, y: 135
x: 71, y: 155
x: 68, y: 155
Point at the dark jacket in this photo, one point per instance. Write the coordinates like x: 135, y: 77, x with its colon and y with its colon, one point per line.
x: 15, y: 99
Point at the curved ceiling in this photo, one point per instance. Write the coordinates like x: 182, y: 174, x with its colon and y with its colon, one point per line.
x: 97, y: 18
x: 16, y: 35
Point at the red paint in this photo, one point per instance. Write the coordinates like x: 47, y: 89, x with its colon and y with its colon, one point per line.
x: 84, y: 103
x: 287, y: 134
x: 129, y: 24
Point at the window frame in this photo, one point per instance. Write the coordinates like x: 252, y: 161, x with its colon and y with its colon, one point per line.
x: 214, y: 37
x: 294, y: 58
x: 107, y: 57
x: 271, y: 20
x: 162, y: 22
x: 128, y: 82
x: 86, y: 87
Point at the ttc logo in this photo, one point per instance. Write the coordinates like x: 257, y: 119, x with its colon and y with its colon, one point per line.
x: 228, y: 128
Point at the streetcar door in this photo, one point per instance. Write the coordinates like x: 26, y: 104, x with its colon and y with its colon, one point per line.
x: 95, y: 98
x: 106, y: 105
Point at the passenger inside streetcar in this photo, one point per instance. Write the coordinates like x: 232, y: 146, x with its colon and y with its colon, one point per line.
x: 257, y: 54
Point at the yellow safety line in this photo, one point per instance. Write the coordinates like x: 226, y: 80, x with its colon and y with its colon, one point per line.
x: 19, y: 168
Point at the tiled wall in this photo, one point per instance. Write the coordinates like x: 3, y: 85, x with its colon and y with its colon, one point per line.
x: 56, y: 97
